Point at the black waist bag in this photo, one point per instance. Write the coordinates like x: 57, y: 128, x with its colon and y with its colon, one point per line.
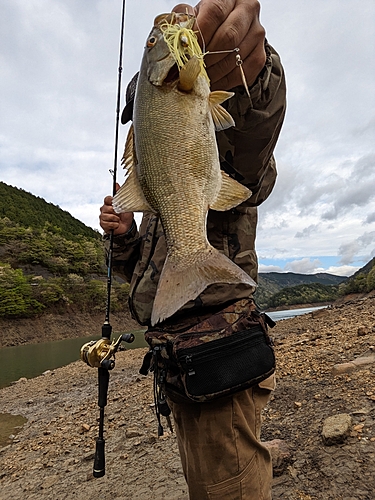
x: 222, y: 366
x: 226, y: 352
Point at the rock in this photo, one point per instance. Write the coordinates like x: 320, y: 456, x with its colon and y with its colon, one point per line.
x: 357, y: 363
x: 362, y: 331
x: 22, y: 380
x: 364, y: 361
x: 132, y: 433
x: 85, y: 427
x: 336, y: 428
x: 342, y: 368
x: 280, y: 455
x: 49, y: 481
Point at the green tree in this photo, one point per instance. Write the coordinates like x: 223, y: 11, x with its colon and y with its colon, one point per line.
x: 370, y: 281
x: 15, y: 293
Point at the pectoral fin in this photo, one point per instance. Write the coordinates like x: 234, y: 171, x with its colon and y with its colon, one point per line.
x: 130, y: 197
x: 222, y: 119
x: 231, y: 194
x: 188, y: 74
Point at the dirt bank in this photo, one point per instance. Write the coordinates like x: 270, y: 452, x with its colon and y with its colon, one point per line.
x: 48, y: 327
x: 51, y: 458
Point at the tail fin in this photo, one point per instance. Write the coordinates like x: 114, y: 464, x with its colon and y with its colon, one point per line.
x: 180, y: 283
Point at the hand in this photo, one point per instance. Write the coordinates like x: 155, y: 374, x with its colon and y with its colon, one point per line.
x: 225, y: 25
x: 108, y: 219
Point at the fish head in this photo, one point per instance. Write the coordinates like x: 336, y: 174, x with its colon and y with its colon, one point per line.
x: 158, y: 59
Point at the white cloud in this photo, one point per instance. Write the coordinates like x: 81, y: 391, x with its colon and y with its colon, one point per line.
x: 303, y: 266
x: 58, y: 77
x: 270, y: 269
x: 341, y: 270
x: 364, y: 244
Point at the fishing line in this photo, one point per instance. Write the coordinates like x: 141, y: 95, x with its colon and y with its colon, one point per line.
x: 239, y: 63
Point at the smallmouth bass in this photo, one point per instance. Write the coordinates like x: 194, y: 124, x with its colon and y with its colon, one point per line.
x: 172, y: 162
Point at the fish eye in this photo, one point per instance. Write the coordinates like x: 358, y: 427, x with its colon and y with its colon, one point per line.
x: 151, y: 42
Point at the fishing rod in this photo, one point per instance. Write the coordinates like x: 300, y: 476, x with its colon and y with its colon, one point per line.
x: 101, y: 354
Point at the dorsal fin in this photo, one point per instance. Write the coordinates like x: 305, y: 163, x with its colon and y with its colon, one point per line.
x: 130, y: 197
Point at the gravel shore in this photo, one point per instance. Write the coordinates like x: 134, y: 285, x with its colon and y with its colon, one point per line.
x: 51, y: 456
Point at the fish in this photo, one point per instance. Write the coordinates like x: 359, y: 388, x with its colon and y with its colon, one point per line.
x: 172, y: 165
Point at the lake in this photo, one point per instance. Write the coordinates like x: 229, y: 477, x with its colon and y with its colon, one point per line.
x: 290, y: 313
x: 31, y: 360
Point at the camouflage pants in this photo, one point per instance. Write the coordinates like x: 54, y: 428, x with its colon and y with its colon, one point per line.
x: 219, y: 443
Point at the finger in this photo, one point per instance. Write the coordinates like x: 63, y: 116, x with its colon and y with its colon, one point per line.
x: 210, y: 15
x: 107, y: 225
x: 109, y: 217
x: 253, y: 57
x: 241, y: 27
x: 183, y: 8
x: 108, y: 201
x: 234, y: 78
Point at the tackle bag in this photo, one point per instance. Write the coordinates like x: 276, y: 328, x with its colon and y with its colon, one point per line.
x: 222, y: 353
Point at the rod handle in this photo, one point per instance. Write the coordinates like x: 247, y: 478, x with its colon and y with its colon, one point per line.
x: 99, y: 460
x: 103, y: 380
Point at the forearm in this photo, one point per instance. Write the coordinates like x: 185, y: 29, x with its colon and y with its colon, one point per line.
x: 246, y: 151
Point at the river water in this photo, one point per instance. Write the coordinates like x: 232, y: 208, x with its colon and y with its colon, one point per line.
x: 31, y: 360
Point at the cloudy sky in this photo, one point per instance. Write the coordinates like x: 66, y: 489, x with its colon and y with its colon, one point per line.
x: 58, y: 77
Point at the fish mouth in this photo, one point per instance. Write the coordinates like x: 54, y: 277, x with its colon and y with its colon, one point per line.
x: 173, y: 75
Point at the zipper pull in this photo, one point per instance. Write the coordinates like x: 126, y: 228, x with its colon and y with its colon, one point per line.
x: 190, y: 368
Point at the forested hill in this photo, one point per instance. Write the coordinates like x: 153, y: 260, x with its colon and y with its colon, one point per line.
x: 49, y: 261
x: 28, y: 210
x: 363, y: 280
x: 293, y: 279
x: 271, y: 284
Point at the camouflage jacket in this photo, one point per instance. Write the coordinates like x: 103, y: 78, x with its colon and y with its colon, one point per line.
x: 246, y: 153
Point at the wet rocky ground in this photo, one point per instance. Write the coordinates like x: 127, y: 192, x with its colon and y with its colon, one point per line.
x: 51, y: 456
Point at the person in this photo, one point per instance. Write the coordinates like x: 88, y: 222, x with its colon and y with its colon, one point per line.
x: 219, y: 441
